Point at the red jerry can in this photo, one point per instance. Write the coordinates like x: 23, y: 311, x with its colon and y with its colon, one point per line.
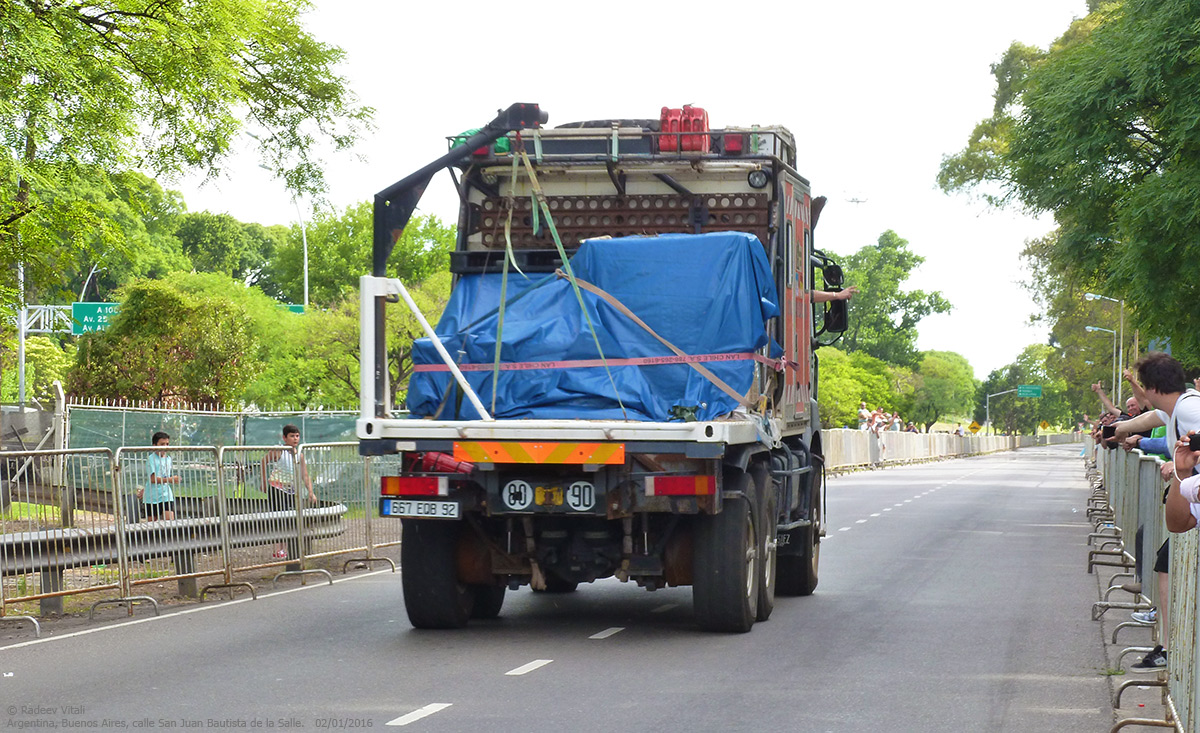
x: 670, y: 123
x: 694, y: 120
x: 432, y: 461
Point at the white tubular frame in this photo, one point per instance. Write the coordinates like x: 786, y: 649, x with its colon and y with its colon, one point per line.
x: 371, y: 288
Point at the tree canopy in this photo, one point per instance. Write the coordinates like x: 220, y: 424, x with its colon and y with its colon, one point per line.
x: 1102, y: 130
x: 99, y: 87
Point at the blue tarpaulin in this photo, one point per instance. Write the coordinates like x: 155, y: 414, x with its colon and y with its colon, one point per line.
x: 708, y: 294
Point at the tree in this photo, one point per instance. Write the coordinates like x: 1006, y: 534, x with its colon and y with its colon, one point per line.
x: 1100, y: 130
x: 945, y: 386
x: 847, y: 379
x: 45, y: 363
x: 1013, y: 414
x: 168, y: 345
x: 220, y: 243
x: 106, y: 86
x: 884, y: 318
x: 339, y: 252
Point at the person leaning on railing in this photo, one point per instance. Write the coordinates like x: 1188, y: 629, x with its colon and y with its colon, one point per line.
x: 1178, y: 408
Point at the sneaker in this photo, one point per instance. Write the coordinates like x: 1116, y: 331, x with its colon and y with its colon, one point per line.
x: 1152, y: 662
x: 1145, y: 617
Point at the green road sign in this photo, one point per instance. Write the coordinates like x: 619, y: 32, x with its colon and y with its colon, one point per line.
x: 88, y: 317
x: 1029, y: 390
x: 293, y: 307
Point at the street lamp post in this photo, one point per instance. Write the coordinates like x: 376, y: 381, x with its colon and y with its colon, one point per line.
x: 1114, y: 356
x: 1121, y: 337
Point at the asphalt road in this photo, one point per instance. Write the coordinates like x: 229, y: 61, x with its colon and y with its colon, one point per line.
x: 953, y: 597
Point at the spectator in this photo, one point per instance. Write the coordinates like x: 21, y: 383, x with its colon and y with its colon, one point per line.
x: 1178, y: 409
x: 864, y: 416
x: 910, y: 428
x: 157, y: 496
x: 280, y: 480
x: 958, y: 430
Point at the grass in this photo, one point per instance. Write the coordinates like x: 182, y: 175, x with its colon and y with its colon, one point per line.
x: 21, y: 510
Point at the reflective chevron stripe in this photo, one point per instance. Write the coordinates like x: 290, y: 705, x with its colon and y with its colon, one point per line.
x: 568, y: 453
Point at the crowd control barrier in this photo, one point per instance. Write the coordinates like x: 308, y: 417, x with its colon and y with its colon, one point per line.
x: 1128, y: 496
x: 97, y: 522
x: 848, y: 449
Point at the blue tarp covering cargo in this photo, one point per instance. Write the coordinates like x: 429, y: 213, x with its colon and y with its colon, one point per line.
x: 710, y: 295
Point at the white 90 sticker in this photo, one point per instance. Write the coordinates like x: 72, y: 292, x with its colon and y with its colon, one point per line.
x: 517, y: 495
x: 581, y: 496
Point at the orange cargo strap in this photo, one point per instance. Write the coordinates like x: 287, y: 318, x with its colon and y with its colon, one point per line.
x: 512, y: 452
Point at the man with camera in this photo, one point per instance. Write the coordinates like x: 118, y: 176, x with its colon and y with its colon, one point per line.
x: 1178, y: 408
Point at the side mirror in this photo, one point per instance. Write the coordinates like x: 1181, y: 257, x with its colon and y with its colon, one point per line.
x: 837, y: 316
x: 833, y: 275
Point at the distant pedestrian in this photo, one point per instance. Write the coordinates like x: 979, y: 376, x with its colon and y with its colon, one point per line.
x: 157, y: 496
x: 864, y: 416
x: 280, y: 479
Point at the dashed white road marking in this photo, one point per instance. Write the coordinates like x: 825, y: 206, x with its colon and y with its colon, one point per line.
x: 908, y: 501
x: 887, y: 508
x: 527, y: 668
x: 844, y: 529
x: 876, y: 514
x: 416, y: 715
x: 861, y: 521
x: 897, y: 505
x: 606, y: 633
x: 665, y: 607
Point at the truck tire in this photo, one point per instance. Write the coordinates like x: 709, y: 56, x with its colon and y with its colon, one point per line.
x: 767, y: 557
x: 488, y: 601
x: 725, y: 565
x: 433, y: 596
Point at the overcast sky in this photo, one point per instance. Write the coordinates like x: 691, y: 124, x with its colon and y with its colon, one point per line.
x: 875, y: 92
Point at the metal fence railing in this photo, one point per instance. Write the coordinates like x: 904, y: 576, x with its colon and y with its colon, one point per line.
x: 1133, y: 488
x: 862, y: 448
x: 94, y: 521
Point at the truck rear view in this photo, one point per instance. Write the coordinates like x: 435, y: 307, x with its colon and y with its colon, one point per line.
x: 623, y: 382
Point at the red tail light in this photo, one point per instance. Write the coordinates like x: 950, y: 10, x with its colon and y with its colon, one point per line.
x: 415, y: 486
x: 680, y: 485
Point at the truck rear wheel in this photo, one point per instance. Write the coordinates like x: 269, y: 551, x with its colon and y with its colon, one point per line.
x: 767, y: 559
x: 488, y: 600
x: 725, y: 566
x: 433, y: 596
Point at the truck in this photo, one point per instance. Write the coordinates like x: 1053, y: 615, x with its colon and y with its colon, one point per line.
x: 623, y: 383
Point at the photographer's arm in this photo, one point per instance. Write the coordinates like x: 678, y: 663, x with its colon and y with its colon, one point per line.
x: 1140, y: 424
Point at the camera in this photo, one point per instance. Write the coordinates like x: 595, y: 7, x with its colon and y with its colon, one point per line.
x: 1194, y: 442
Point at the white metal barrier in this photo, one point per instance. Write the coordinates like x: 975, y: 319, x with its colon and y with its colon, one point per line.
x: 863, y: 448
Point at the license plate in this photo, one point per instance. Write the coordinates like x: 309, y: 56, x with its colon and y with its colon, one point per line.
x: 419, y: 508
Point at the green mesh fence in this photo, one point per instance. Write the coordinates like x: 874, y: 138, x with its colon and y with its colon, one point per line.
x: 318, y: 428
x: 113, y: 428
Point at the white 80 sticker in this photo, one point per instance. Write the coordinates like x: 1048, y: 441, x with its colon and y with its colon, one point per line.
x: 517, y: 495
x: 581, y: 496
